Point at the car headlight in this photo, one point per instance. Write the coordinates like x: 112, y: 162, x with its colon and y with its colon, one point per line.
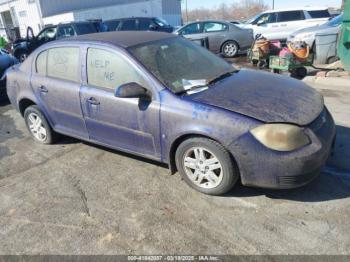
x: 280, y: 137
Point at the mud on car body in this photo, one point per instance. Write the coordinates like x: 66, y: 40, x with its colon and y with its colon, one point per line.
x: 162, y: 97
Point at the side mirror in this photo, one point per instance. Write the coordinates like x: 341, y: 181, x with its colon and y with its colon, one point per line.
x: 132, y: 90
x: 261, y: 22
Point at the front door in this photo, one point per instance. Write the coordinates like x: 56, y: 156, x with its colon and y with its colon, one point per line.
x: 129, y: 124
x: 56, y: 83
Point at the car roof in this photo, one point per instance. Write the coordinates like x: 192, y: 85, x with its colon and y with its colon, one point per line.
x: 123, y: 39
x: 128, y: 18
x: 297, y: 9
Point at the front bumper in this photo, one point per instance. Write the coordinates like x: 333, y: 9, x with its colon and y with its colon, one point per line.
x: 263, y: 167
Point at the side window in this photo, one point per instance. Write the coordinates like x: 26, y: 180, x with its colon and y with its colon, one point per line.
x: 48, y: 34
x: 41, y: 63
x: 112, y: 25
x: 291, y: 16
x: 64, y: 63
x: 144, y: 24
x: 267, y: 18
x: 214, y: 27
x: 192, y: 29
x: 65, y: 31
x: 109, y: 70
x: 129, y: 25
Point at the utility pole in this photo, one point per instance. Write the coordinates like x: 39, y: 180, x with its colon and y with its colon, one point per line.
x: 273, y: 4
x: 186, y: 11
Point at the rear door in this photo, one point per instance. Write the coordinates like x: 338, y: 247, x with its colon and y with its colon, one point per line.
x: 193, y: 32
x: 216, y: 33
x: 130, y: 124
x: 56, y: 83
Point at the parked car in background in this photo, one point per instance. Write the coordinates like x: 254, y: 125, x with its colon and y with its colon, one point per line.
x: 308, y: 34
x: 160, y: 96
x: 139, y: 24
x: 280, y: 24
x: 23, y: 47
x: 6, y: 61
x: 235, y: 22
x: 223, y: 37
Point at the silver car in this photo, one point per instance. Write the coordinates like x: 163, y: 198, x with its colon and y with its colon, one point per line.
x: 309, y: 34
x: 222, y: 37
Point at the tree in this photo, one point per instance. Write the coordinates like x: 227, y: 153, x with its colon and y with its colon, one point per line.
x: 239, y: 10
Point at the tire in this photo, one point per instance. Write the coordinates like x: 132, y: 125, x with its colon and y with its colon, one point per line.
x: 230, y: 49
x: 198, y: 174
x: 21, y: 56
x: 33, y: 113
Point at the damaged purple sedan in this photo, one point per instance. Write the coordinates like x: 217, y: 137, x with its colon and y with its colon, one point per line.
x: 162, y: 97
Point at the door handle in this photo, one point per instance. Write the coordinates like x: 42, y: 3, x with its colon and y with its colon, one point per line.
x: 93, y: 101
x: 43, y: 89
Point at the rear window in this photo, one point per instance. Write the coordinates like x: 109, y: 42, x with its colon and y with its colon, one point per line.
x: 83, y: 29
x: 319, y: 14
x: 289, y: 16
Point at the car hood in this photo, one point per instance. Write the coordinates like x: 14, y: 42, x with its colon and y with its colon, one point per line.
x: 264, y: 96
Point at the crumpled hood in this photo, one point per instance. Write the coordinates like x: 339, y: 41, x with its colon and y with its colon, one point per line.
x: 264, y: 96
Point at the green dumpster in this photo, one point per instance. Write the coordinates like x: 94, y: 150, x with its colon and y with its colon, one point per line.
x: 344, y: 41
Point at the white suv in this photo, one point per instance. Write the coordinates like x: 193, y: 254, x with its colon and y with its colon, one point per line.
x: 280, y: 24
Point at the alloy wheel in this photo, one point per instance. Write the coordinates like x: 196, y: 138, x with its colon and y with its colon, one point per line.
x: 203, y: 168
x: 230, y: 49
x: 37, y: 127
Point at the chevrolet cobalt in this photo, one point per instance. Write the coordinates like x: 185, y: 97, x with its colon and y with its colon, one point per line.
x: 165, y: 98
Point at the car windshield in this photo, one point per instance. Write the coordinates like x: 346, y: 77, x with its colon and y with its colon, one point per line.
x: 251, y: 20
x: 180, y: 64
x: 335, y: 21
x: 161, y: 22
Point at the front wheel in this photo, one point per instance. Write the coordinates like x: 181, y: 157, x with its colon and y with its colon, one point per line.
x: 206, y: 166
x: 230, y: 49
x: 38, y: 126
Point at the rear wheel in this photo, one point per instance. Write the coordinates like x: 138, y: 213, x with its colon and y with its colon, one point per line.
x: 230, y: 49
x: 38, y: 126
x: 206, y: 166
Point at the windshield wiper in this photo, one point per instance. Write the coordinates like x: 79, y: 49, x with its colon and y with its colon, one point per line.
x: 188, y: 91
x: 221, y: 77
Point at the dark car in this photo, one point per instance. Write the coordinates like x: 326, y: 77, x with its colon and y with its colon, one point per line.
x: 139, y: 24
x: 6, y: 61
x: 163, y: 97
x: 23, y: 47
x: 223, y: 37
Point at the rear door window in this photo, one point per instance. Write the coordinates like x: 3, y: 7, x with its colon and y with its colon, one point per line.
x: 195, y: 28
x: 86, y: 28
x: 64, y: 63
x: 41, y: 62
x: 129, y: 25
x: 319, y: 13
x: 290, y: 16
x: 65, y: 31
x: 112, y: 25
x: 214, y: 27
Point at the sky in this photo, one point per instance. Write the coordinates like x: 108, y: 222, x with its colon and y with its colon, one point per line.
x: 192, y: 4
